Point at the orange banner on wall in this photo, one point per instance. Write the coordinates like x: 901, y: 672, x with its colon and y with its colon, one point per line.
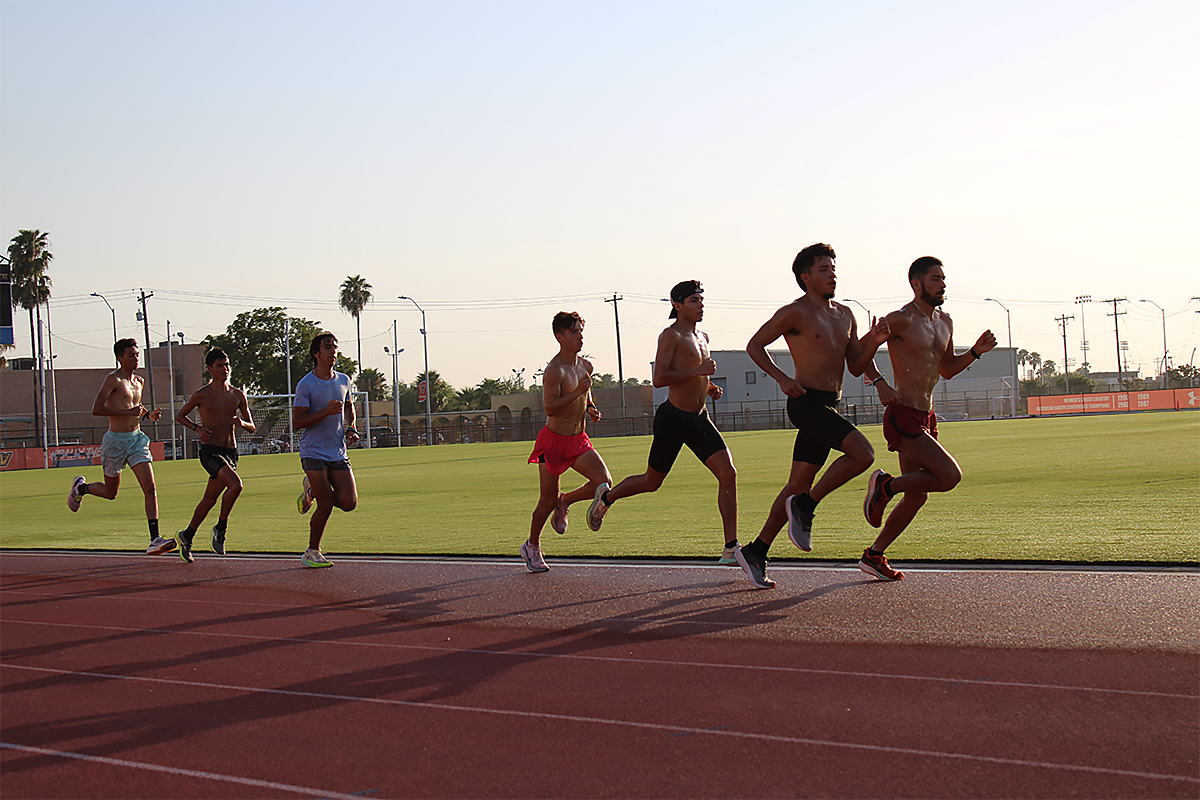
x: 69, y: 455
x: 1150, y: 400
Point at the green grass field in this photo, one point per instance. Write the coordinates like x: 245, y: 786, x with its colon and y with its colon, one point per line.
x: 1105, y: 488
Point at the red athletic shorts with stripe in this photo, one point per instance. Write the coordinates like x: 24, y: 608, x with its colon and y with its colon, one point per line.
x: 903, y: 422
x: 557, y: 451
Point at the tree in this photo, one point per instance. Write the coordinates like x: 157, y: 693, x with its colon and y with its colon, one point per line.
x: 354, y: 296
x: 1184, y: 376
x: 1034, y: 360
x: 1048, y: 371
x: 257, y: 343
x: 439, y: 399
x: 604, y: 381
x: 1022, y: 358
x: 29, y: 257
x: 374, y: 383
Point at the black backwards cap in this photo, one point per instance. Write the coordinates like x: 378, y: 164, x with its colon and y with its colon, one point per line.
x: 682, y: 291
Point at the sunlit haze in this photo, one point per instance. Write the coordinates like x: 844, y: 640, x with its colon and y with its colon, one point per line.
x: 501, y: 161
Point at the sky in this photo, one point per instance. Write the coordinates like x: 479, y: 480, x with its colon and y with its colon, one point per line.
x: 501, y: 161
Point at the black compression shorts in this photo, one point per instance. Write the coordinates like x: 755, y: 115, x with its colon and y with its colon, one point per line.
x: 673, y: 428
x: 819, y: 427
x: 214, y: 459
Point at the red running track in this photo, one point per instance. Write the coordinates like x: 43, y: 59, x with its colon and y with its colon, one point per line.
x: 131, y: 676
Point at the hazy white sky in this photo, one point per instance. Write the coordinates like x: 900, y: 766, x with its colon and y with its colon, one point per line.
x: 501, y: 161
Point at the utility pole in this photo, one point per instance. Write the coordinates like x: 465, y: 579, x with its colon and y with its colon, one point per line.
x: 1066, y: 376
x: 1116, y: 315
x: 620, y: 368
x: 149, y: 369
x: 1080, y: 299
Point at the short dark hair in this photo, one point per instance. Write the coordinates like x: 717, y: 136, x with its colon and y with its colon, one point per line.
x: 565, y: 320
x: 216, y: 354
x: 121, y: 345
x: 921, y: 267
x: 318, y: 342
x: 805, y: 259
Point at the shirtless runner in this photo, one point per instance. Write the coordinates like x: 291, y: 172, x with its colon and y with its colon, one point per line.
x: 124, y: 443
x: 683, y: 365
x: 563, y: 442
x: 921, y: 346
x: 823, y: 339
x: 223, y: 409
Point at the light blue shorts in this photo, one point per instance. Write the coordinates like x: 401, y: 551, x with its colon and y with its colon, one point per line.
x: 119, y: 449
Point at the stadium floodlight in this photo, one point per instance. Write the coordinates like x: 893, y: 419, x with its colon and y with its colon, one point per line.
x: 114, y: 313
x: 395, y: 354
x: 428, y: 383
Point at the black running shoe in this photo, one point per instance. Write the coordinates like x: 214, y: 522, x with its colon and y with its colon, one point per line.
x: 218, y: 542
x: 185, y: 546
x: 800, y: 511
x: 755, y: 566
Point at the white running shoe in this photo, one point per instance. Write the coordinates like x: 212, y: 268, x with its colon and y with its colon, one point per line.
x: 315, y: 559
x: 74, y: 495
x: 160, y: 546
x: 598, y: 508
x: 533, y: 558
x: 729, y: 557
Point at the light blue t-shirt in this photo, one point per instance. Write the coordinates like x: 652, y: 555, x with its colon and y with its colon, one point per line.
x: 327, y: 439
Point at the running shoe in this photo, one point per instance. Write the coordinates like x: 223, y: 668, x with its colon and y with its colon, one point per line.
x: 533, y: 558
x: 185, y: 546
x: 800, y: 511
x: 729, y: 557
x: 755, y: 566
x: 598, y: 508
x: 218, y: 541
x: 74, y: 495
x: 879, y: 567
x: 160, y: 545
x: 877, y: 498
x: 558, y: 520
x: 304, y: 501
x: 315, y: 559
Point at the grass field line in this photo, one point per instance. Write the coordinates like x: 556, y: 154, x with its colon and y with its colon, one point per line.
x: 938, y: 679
x: 635, y: 724
x: 1104, y: 489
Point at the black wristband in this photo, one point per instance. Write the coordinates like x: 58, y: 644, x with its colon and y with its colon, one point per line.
x: 877, y: 380
x: 973, y: 353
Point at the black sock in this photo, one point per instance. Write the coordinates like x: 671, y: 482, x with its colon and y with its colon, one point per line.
x: 731, y: 544
x: 887, y: 488
x: 874, y: 553
x: 604, y: 498
x: 189, y: 532
x: 758, y: 547
x: 806, y: 499
x: 83, y: 488
x: 153, y: 523
x: 221, y: 523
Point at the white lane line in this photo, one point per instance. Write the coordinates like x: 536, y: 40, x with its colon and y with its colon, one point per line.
x: 178, y: 771
x: 673, y: 729
x: 950, y: 680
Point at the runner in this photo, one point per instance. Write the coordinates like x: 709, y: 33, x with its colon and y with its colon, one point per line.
x: 823, y: 339
x: 683, y: 364
x: 120, y: 399
x: 223, y: 409
x: 921, y: 346
x: 563, y: 442
x: 324, y: 410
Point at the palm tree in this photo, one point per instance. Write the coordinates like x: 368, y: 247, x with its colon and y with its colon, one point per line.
x: 29, y: 256
x: 1035, y: 361
x: 353, y: 298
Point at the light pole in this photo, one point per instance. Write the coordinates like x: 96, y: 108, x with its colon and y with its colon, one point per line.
x: 114, y: 313
x: 395, y: 354
x: 1163, y: 374
x: 428, y: 383
x: 864, y: 308
x: 1012, y: 356
x: 1080, y: 300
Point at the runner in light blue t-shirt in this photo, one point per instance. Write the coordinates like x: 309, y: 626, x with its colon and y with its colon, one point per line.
x: 324, y: 411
